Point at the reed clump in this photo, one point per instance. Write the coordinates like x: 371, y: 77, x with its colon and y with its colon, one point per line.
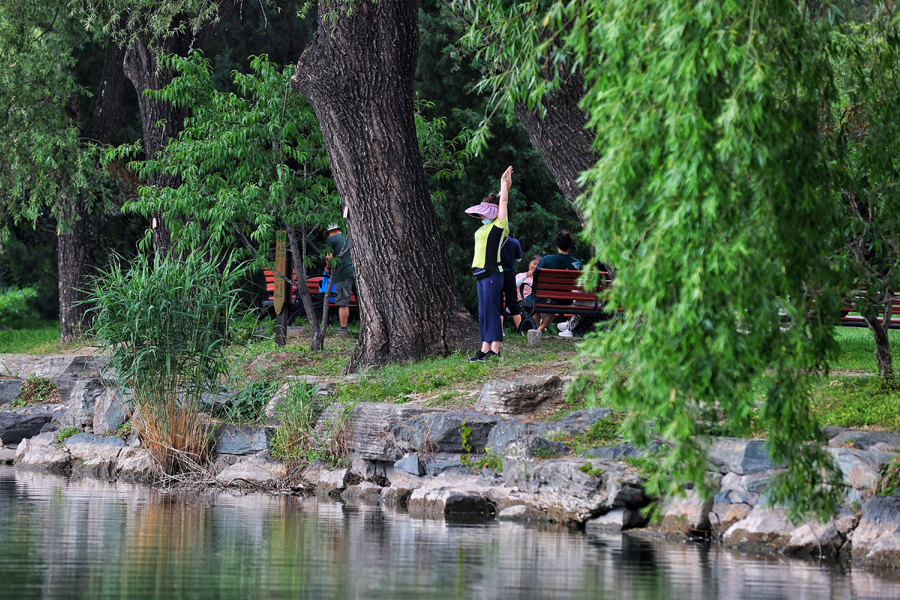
x: 164, y: 323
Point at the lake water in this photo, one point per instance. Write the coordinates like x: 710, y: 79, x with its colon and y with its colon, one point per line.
x: 91, y: 539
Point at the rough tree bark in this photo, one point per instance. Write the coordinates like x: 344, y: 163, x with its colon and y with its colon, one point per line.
x: 161, y: 120
x: 561, y: 139
x: 74, y: 253
x: 358, y: 75
x: 879, y: 331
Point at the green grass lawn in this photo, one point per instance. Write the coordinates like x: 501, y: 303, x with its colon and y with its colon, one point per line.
x: 858, y: 349
x: 29, y: 336
x: 851, y: 396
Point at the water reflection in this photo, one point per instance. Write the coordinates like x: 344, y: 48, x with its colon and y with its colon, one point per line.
x: 87, y: 538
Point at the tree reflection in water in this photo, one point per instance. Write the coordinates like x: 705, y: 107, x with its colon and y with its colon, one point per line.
x: 86, y: 538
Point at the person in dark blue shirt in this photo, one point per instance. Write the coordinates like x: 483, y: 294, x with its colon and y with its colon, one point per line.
x: 510, y: 254
x: 562, y: 260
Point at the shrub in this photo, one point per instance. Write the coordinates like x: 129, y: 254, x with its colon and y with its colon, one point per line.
x: 164, y: 324
x: 296, y: 440
x: 14, y: 303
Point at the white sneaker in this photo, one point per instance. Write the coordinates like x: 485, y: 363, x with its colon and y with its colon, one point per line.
x: 566, y: 334
x: 564, y: 326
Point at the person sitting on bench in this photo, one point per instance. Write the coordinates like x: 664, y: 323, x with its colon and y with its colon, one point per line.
x: 562, y: 260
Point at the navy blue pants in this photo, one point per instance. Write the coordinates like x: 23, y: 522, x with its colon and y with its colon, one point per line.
x: 489, y: 324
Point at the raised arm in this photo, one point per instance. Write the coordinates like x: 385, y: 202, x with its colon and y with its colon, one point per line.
x: 505, y: 185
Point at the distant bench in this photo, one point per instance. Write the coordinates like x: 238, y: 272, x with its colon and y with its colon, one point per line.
x: 848, y: 320
x: 566, y: 297
x: 294, y: 305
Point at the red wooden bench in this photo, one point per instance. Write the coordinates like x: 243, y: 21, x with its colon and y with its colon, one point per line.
x: 295, y: 306
x: 857, y: 320
x: 558, y: 292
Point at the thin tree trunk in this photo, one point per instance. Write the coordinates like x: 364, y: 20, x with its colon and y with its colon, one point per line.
x: 358, y: 75
x: 879, y: 331
x: 72, y: 260
x: 561, y: 139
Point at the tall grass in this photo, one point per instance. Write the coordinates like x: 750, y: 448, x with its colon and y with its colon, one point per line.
x: 164, y: 324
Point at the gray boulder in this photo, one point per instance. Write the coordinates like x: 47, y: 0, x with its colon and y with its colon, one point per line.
x: 396, y: 496
x: 9, y: 389
x: 41, y: 453
x: 820, y: 539
x: 460, y: 431
x: 410, y: 464
x: 620, y: 451
x: 861, y: 470
x: 876, y: 540
x: 616, y: 520
x: 98, y: 405
x: 576, y: 423
x: 15, y: 427
x: 137, y: 464
x: 534, y: 446
x: 85, y: 447
x: 64, y: 370
x: 241, y: 439
x: 505, y: 432
x: 574, y: 489
x: 452, y: 495
x: 254, y: 472
x: 538, y: 394
x: 363, y: 493
x: 685, y: 515
x: 368, y: 426
x: 740, y: 456
x: 217, y: 403
x: 764, y: 528
x: 441, y: 462
x: 865, y: 440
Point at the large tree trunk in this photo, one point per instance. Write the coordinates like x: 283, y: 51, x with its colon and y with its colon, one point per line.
x: 160, y: 120
x: 358, y: 75
x: 561, y: 139
x: 75, y: 234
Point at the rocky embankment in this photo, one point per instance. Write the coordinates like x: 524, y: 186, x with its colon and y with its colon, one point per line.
x: 436, y: 463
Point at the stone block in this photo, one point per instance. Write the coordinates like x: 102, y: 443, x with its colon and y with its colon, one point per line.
x: 861, y: 470
x: 15, y: 427
x: 534, y: 338
x: 9, y: 390
x: 522, y: 513
x: 137, y: 464
x: 688, y: 514
x: 410, y: 464
x: 876, y: 540
x: 573, y: 489
x: 616, y: 520
x: 363, y: 493
x: 443, y: 432
x: 241, y: 439
x: 41, y: 453
x: 866, y: 440
x: 534, y: 446
x: 621, y: 451
x: 87, y: 446
x: 538, y: 394
x: 449, y: 503
x: 396, y: 496
x: 763, y: 528
x: 739, y: 456
x: 368, y: 427
x: 254, y: 472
